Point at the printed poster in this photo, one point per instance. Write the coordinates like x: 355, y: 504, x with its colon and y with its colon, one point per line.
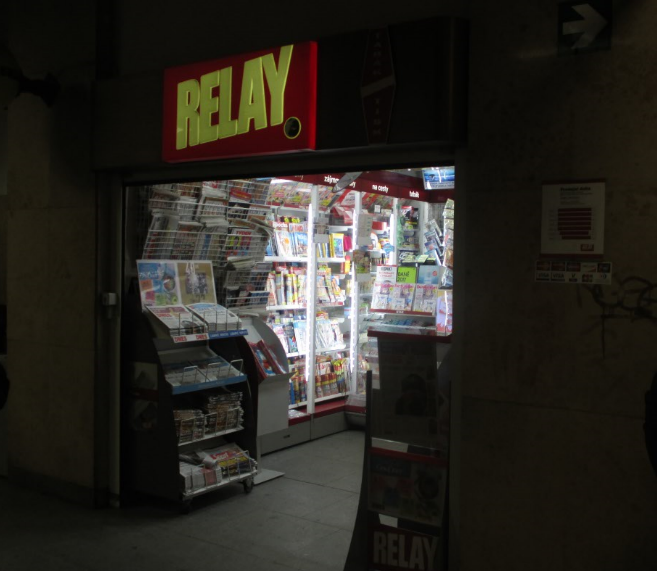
x: 407, y: 486
x: 164, y: 283
x: 158, y: 283
x: 408, y: 406
x: 573, y: 218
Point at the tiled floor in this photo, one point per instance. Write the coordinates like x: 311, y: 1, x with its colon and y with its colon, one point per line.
x: 301, y: 521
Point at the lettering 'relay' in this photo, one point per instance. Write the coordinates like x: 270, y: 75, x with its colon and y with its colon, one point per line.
x: 197, y: 104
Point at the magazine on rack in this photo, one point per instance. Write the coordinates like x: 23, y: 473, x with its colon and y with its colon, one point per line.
x: 407, y: 487
x: 426, y: 296
x: 238, y: 242
x: 213, y: 203
x: 232, y: 460
x: 284, y: 243
x: 211, y: 239
x: 161, y: 232
x: 186, y: 238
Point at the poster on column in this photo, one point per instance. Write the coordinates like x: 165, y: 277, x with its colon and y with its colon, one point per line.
x: 573, y: 219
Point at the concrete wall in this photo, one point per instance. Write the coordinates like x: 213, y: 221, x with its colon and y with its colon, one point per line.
x: 51, y: 253
x: 554, y: 470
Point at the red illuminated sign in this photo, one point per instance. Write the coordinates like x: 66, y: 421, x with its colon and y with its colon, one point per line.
x: 367, y: 182
x: 254, y: 104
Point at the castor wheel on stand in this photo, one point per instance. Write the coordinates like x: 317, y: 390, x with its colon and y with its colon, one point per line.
x: 248, y: 485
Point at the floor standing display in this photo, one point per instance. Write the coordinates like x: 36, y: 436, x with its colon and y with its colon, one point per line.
x: 402, y: 519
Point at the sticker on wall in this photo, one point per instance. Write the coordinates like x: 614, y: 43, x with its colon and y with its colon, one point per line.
x: 573, y: 272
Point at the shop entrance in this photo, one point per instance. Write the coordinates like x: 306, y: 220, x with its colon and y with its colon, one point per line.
x: 259, y: 268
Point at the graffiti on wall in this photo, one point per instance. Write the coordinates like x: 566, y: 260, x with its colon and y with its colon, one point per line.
x: 634, y: 298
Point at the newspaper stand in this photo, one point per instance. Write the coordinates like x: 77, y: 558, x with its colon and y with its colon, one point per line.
x: 173, y: 373
x: 402, y: 514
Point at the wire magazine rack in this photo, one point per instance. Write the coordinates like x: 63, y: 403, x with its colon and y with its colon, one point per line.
x: 221, y: 221
x: 244, y: 289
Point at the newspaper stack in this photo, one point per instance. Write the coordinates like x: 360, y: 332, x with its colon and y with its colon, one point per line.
x: 228, y: 409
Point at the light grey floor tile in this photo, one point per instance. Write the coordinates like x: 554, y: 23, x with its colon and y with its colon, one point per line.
x: 30, y: 559
x: 301, y: 521
x: 326, y: 554
x: 340, y: 514
x: 316, y: 470
x: 350, y: 482
x: 295, y: 498
x: 285, y: 539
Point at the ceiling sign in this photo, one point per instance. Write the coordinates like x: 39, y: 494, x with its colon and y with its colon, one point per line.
x: 584, y: 26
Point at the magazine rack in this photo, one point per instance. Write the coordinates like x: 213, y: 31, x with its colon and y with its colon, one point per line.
x: 402, y: 518
x: 167, y: 376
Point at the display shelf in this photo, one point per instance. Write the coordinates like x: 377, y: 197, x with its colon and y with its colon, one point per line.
x: 210, y: 436
x: 318, y: 400
x: 331, y: 260
x: 401, y: 312
x: 226, y: 334
x: 182, y: 389
x: 242, y: 477
x: 290, y: 259
x: 206, y: 336
x: 321, y: 351
x: 294, y: 307
x: 340, y: 228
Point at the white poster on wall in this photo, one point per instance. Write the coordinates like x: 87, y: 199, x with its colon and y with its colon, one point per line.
x: 573, y: 218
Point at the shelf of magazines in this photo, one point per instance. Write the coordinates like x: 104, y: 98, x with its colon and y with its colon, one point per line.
x: 186, y: 324
x: 244, y: 288
x: 215, y: 220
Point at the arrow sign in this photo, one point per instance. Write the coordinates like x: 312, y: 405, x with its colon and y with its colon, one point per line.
x: 589, y: 27
x: 584, y: 26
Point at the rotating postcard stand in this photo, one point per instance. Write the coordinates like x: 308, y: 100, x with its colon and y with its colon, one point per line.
x: 402, y: 514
